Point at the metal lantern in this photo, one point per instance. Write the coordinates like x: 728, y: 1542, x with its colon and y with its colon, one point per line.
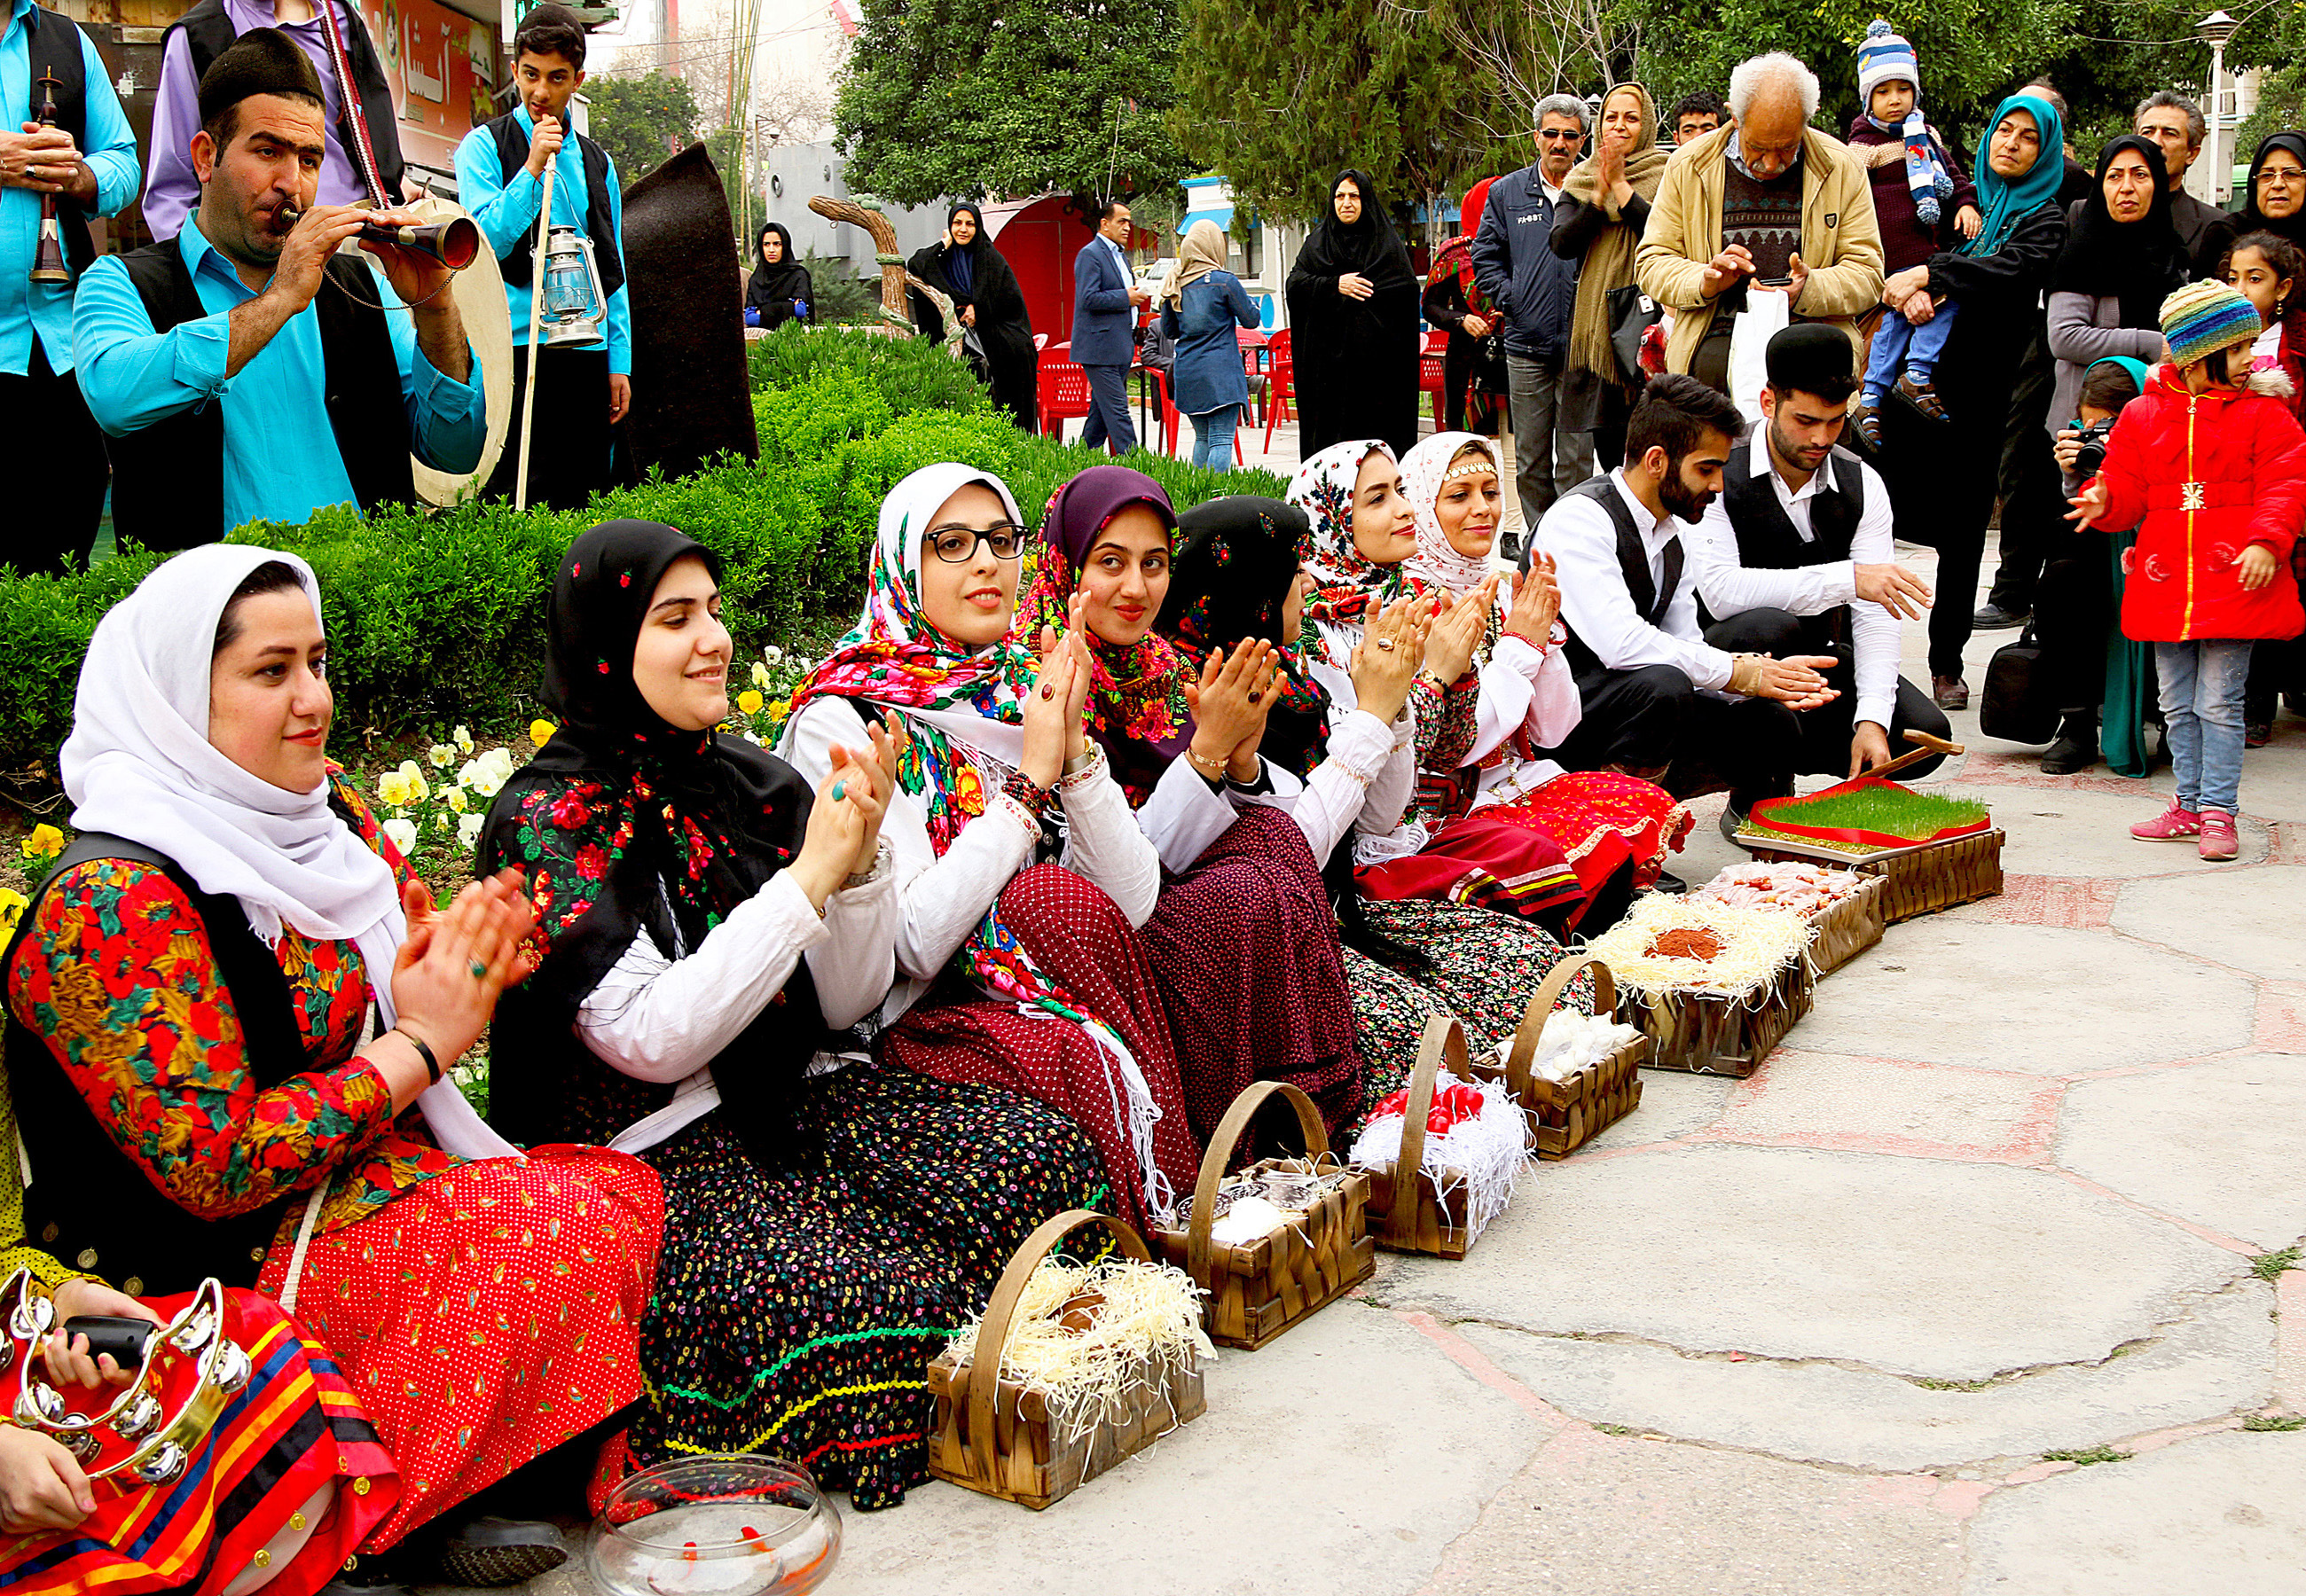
x: 575, y: 309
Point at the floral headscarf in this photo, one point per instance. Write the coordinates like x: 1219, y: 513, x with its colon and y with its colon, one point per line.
x: 894, y: 657
x: 1137, y: 691
x: 1423, y: 471
x: 1347, y: 583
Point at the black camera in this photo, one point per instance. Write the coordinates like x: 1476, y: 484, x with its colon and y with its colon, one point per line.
x: 2091, y: 455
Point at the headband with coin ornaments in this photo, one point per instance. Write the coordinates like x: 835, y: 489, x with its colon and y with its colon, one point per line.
x: 1425, y: 470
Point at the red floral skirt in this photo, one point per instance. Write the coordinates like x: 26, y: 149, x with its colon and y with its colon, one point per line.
x: 488, y: 1314
x: 1604, y: 821
x: 292, y: 1430
x: 1082, y: 942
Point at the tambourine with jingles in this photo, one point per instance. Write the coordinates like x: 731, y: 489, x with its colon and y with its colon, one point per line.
x: 155, y: 1424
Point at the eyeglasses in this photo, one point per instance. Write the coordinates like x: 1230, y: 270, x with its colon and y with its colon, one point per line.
x: 1551, y: 134
x: 957, y: 545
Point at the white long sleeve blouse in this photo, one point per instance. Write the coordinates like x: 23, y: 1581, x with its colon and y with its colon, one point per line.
x: 940, y: 901
x: 664, y: 1016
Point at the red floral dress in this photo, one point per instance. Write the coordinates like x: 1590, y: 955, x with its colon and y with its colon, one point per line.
x: 484, y: 1312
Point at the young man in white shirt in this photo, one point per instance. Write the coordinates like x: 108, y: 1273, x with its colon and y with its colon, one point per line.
x: 1796, y: 556
x: 1661, y: 701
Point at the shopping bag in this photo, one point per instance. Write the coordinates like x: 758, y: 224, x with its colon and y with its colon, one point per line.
x: 1765, y: 315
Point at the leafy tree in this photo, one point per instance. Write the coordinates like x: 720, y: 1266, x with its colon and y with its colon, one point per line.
x: 1009, y: 97
x: 1280, y: 97
x: 641, y: 121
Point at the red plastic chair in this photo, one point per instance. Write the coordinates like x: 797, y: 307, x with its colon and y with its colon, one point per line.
x: 1281, y: 367
x: 1063, y: 389
x: 1169, y: 414
x: 1429, y: 380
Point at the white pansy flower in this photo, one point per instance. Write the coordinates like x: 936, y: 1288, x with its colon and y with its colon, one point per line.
x: 402, y: 834
x: 463, y: 738
x: 441, y: 757
x: 468, y: 830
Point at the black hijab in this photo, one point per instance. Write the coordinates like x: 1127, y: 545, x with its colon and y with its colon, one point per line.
x: 1369, y: 246
x: 2140, y: 262
x: 970, y: 274
x: 780, y: 281
x: 2292, y: 226
x: 625, y: 824
x: 1229, y: 578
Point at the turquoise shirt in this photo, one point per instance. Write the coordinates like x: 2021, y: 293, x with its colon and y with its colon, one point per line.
x: 507, y: 213
x: 108, y: 147
x: 280, y: 458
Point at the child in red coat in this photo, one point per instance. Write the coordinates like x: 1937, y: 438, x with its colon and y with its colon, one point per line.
x: 2210, y: 466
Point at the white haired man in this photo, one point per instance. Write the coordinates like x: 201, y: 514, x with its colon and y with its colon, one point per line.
x: 1767, y: 205
x: 1537, y: 290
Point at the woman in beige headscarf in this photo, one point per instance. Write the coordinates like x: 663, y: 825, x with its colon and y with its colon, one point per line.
x: 1202, y: 303
x: 1605, y: 205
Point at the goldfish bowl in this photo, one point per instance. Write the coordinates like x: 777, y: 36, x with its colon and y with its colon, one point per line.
x: 716, y: 1526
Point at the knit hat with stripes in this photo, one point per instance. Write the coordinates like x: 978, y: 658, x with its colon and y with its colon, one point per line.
x: 2203, y: 318
x: 1884, y: 57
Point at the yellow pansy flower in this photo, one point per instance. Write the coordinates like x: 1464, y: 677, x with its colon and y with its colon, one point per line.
x: 749, y: 702
x: 540, y: 732
x: 44, y: 843
x: 12, y: 908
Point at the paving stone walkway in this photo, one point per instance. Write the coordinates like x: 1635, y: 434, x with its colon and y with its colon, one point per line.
x: 2008, y: 1192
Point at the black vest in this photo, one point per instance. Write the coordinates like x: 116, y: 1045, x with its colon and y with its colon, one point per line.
x: 167, y: 479
x: 87, y: 1204
x: 209, y: 33
x: 1766, y: 538
x: 519, y: 263
x: 1650, y: 602
x: 53, y: 43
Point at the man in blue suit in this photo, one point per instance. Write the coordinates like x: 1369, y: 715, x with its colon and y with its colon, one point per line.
x: 1106, y: 301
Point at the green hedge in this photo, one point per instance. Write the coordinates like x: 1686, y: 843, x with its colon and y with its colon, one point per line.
x: 437, y: 617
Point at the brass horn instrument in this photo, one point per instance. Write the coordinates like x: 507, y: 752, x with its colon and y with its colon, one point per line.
x: 454, y: 243
x: 49, y: 264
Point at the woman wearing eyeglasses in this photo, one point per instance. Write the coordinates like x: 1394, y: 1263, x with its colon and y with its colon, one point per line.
x: 1020, y: 868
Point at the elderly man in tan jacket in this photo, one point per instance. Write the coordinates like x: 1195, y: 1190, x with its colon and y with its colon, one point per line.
x: 1767, y: 204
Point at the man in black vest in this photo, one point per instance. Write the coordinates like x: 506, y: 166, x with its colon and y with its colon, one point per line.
x: 1661, y: 703
x: 582, y: 389
x: 56, y: 498
x: 194, y: 42
x: 245, y: 372
x: 1797, y: 555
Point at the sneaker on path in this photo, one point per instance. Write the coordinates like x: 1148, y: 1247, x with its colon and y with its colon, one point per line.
x: 2219, y: 839
x: 2173, y: 824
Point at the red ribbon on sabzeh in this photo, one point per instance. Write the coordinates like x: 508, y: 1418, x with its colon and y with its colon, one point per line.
x: 1764, y: 813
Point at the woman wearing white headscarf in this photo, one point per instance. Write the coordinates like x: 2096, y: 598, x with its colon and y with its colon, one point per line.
x: 1488, y: 795
x: 1020, y: 863
x: 1201, y: 304
x: 187, y: 1006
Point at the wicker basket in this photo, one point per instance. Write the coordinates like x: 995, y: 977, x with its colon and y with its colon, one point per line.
x: 1849, y: 927
x: 1706, y: 1033
x: 1258, y: 1289
x: 1566, y: 1115
x: 1417, y: 1213
x: 998, y: 1437
x: 1923, y: 880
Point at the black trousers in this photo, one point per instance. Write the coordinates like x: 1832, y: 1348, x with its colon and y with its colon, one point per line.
x: 569, y: 461
x: 2033, y: 495
x: 1826, y: 730
x: 2073, y: 617
x: 1651, y: 718
x: 56, y: 501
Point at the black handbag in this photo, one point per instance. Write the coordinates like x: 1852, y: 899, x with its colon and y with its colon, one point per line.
x: 1632, y: 313
x: 2015, y: 705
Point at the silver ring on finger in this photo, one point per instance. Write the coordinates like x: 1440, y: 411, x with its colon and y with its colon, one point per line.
x: 1386, y: 643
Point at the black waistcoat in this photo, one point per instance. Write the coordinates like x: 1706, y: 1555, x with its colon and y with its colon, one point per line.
x: 167, y: 479
x: 87, y: 1204
x: 518, y: 264
x: 53, y: 43
x: 1650, y: 601
x: 1766, y: 538
x: 208, y: 32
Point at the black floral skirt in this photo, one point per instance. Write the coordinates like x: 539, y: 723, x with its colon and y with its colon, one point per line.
x: 797, y: 1307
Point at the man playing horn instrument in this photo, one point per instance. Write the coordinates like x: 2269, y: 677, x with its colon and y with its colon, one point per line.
x: 209, y: 359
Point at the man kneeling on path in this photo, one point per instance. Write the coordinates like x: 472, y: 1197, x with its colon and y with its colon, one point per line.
x: 1796, y: 555
x: 1657, y: 695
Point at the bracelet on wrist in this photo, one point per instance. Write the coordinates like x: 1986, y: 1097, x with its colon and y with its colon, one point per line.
x: 1204, y: 766
x: 424, y: 1052
x: 1081, y: 761
x: 1028, y: 792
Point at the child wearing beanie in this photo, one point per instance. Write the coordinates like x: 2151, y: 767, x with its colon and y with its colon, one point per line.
x: 1924, y: 204
x: 2210, y: 466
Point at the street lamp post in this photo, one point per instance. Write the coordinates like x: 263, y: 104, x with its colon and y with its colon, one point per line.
x: 2214, y: 30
